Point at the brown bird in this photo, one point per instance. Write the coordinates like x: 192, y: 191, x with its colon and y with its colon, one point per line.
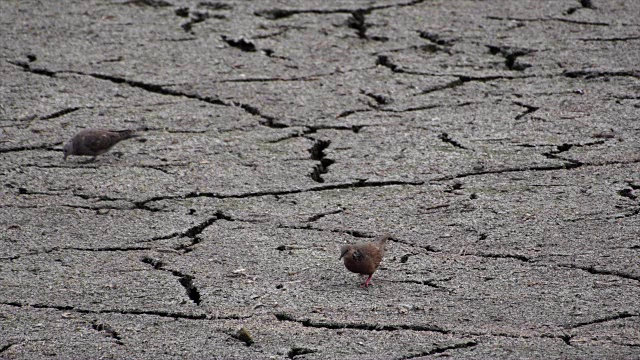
x: 364, y: 258
x: 93, y: 142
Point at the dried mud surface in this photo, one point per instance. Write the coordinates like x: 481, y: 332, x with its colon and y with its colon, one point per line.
x: 498, y: 142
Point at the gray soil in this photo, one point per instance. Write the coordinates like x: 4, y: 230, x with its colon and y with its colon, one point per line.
x: 497, y: 141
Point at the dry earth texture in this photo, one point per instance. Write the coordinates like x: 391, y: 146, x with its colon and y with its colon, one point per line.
x: 497, y: 141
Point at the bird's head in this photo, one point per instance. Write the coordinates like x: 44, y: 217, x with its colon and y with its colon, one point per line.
x: 67, y: 150
x: 344, y: 250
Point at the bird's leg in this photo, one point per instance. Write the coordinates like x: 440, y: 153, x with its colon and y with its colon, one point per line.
x: 368, y: 282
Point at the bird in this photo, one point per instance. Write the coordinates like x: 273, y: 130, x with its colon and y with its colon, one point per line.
x: 364, y: 258
x: 94, y: 142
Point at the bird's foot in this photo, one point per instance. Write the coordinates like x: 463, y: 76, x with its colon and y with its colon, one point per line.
x: 367, y: 283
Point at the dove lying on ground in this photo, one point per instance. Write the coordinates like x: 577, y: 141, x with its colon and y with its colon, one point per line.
x: 364, y: 258
x: 93, y: 142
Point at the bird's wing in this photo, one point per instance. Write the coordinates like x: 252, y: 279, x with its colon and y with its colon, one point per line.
x: 368, y: 257
x: 100, y: 140
x: 375, y: 254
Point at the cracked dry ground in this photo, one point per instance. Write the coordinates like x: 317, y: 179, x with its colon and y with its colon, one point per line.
x: 497, y: 141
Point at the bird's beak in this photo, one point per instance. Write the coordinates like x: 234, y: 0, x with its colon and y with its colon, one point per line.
x: 64, y: 157
x: 343, y: 254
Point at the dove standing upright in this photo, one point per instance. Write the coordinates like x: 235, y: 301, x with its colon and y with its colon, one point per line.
x: 364, y: 258
x: 93, y: 142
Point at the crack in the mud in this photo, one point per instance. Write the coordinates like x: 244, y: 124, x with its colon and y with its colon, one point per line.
x: 385, y: 60
x: 198, y: 229
x: 319, y: 216
x: 160, y: 167
x: 273, y: 79
x: 378, y: 98
x: 627, y: 193
x: 296, y: 351
x: 108, y: 330
x: 317, y: 153
x: 359, y: 326
x: 461, y: 80
x: 566, y: 338
x: 276, y: 14
x: 417, y: 108
x: 615, y: 39
x: 441, y: 349
x: 626, y: 344
x: 518, y: 257
x: 435, y: 38
x: 566, y: 166
x: 174, y: 131
x: 530, y: 109
x: 622, y: 315
x: 184, y: 279
x: 96, y: 208
x: 357, y: 21
x: 446, y: 139
x: 569, y: 21
x: 429, y: 283
x: 187, y: 282
x: 350, y: 185
x: 191, y: 232
x: 268, y: 121
x: 434, y: 207
x: 215, y: 6
x: 27, y: 67
x: 240, y: 43
x: 283, y: 316
x: 106, y: 249
x: 7, y: 347
x: 60, y: 113
x: 511, y: 55
x: 566, y: 147
x: 590, y: 74
x: 150, y: 3
x: 160, y: 313
x: 50, y: 147
x: 449, y: 85
x: 80, y: 165
x: 84, y: 196
x: 629, y: 214
x: 315, y: 128
x: 587, y: 4
x: 592, y: 270
x: 346, y: 113
x: 196, y: 17
x: 571, y: 164
x: 423, y: 48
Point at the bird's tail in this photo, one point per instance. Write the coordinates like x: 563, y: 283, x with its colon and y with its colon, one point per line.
x: 382, y: 239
